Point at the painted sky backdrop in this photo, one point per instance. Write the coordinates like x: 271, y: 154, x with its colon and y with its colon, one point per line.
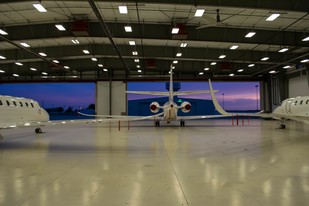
x: 237, y: 95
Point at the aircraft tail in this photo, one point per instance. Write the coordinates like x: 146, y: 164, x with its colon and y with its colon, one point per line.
x: 215, y: 101
x: 171, y: 89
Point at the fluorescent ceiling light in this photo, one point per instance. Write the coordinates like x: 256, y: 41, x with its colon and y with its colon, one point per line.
x: 272, y: 72
x: 175, y: 62
x: 222, y: 56
x: 56, y: 61
x: 234, y: 47
x: 128, y: 28
x: 287, y: 67
x: 173, y: 67
x: 201, y: 73
x: 24, y: 44
x: 265, y: 58
x: 105, y: 70
x: 138, y: 66
x: 100, y: 65
x: 136, y: 60
x: 240, y: 70
x: 306, y: 39
x: 1, y: 71
x: 213, y: 63
x: 60, y: 27
x: 44, y: 73
x: 175, y: 30
x: 132, y: 43
x: 283, y: 50
x: 3, y: 32
x: 304, y: 61
x: 94, y: 59
x: 272, y: 17
x: 33, y: 69
x: 206, y: 69
x: 183, y: 44
x: 178, y: 54
x: 199, y: 12
x: 123, y: 9
x: 66, y: 67
x: 2, y: 57
x: 18, y: 63
x: 250, y: 34
x: 42, y: 54
x: 231, y: 75
x: 135, y: 53
x: 251, y: 65
x: 75, y: 41
x: 15, y: 75
x: 139, y: 71
x: 39, y: 7
x: 86, y: 51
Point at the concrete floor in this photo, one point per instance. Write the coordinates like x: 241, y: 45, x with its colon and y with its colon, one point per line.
x: 205, y: 163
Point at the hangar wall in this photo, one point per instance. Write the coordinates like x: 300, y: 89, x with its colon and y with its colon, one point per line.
x: 111, y: 98
x: 299, y: 86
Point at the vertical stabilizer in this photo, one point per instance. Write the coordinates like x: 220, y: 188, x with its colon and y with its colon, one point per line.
x: 215, y: 101
x: 171, y: 91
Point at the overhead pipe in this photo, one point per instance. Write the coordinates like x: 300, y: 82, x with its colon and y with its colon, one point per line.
x: 107, y: 33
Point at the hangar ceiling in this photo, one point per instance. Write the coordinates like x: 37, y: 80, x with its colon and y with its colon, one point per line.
x: 99, y: 27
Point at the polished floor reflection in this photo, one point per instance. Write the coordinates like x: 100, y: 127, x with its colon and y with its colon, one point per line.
x: 205, y: 163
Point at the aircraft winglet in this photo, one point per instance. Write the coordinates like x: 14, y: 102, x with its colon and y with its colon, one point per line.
x: 215, y: 101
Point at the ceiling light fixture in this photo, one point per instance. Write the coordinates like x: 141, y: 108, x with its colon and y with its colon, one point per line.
x: 33, y: 69
x: 231, y: 75
x: 264, y: 58
x: 199, y: 12
x: 306, y: 39
x: 56, y: 61
x: 175, y: 30
x: 66, y: 67
x: 42, y: 54
x: 100, y: 65
x: 39, y: 7
x: 138, y: 66
x: 18, y: 63
x: 24, y: 44
x: 1, y: 71
x: 251, y: 65
x: 272, y: 72
x: 250, y: 34
x: 283, y: 50
x: 105, y: 70
x: 123, y: 9
x: 272, y: 17
x: 234, y: 47
x: 139, y: 71
x: 178, y: 54
x: 128, y: 28
x: 86, y: 51
x: 175, y: 62
x: 2, y: 57
x: 75, y: 41
x: 213, y: 63
x: 132, y: 43
x: 135, y: 53
x: 60, y: 27
x: 15, y: 75
x: 94, y: 59
x: 222, y: 56
x: 201, y: 73
x: 287, y: 67
x: 136, y: 60
x: 206, y: 69
x: 240, y: 70
x: 183, y: 44
x: 44, y: 73
x: 304, y: 61
x: 3, y: 32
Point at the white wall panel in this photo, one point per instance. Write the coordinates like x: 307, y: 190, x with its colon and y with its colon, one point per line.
x: 298, y: 86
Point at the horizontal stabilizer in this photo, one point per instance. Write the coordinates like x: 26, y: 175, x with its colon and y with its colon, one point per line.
x: 148, y: 92
x: 193, y: 92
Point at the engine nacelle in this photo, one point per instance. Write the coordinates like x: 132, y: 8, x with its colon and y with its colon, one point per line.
x: 185, y: 107
x: 154, y: 107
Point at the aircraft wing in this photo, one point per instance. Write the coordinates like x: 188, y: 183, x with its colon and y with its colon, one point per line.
x: 121, y: 118
x: 193, y: 92
x: 148, y: 92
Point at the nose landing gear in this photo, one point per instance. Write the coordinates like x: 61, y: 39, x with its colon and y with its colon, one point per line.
x: 182, y: 123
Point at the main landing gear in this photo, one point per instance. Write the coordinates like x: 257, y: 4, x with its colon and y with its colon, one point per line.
x: 282, y: 125
x: 182, y: 123
x: 157, y: 123
x: 38, y: 130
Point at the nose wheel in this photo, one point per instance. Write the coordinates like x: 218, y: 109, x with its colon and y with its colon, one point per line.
x: 182, y: 123
x: 38, y: 130
x: 157, y: 123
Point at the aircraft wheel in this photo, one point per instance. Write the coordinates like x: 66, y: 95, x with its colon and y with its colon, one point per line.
x: 157, y: 123
x: 282, y: 126
x: 38, y: 131
x: 182, y: 123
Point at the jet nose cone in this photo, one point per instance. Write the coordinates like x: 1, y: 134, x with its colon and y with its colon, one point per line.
x: 44, y: 115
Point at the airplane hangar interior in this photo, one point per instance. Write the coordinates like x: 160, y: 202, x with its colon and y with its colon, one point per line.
x: 167, y: 149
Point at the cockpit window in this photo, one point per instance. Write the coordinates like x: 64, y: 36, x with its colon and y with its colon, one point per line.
x: 21, y: 104
x: 301, y: 102
x: 295, y: 103
x: 32, y: 104
x: 307, y: 102
x: 14, y: 103
x: 7, y: 102
x: 0, y: 102
x: 26, y: 104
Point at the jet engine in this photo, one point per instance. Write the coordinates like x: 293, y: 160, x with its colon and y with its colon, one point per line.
x: 154, y: 107
x: 185, y: 107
